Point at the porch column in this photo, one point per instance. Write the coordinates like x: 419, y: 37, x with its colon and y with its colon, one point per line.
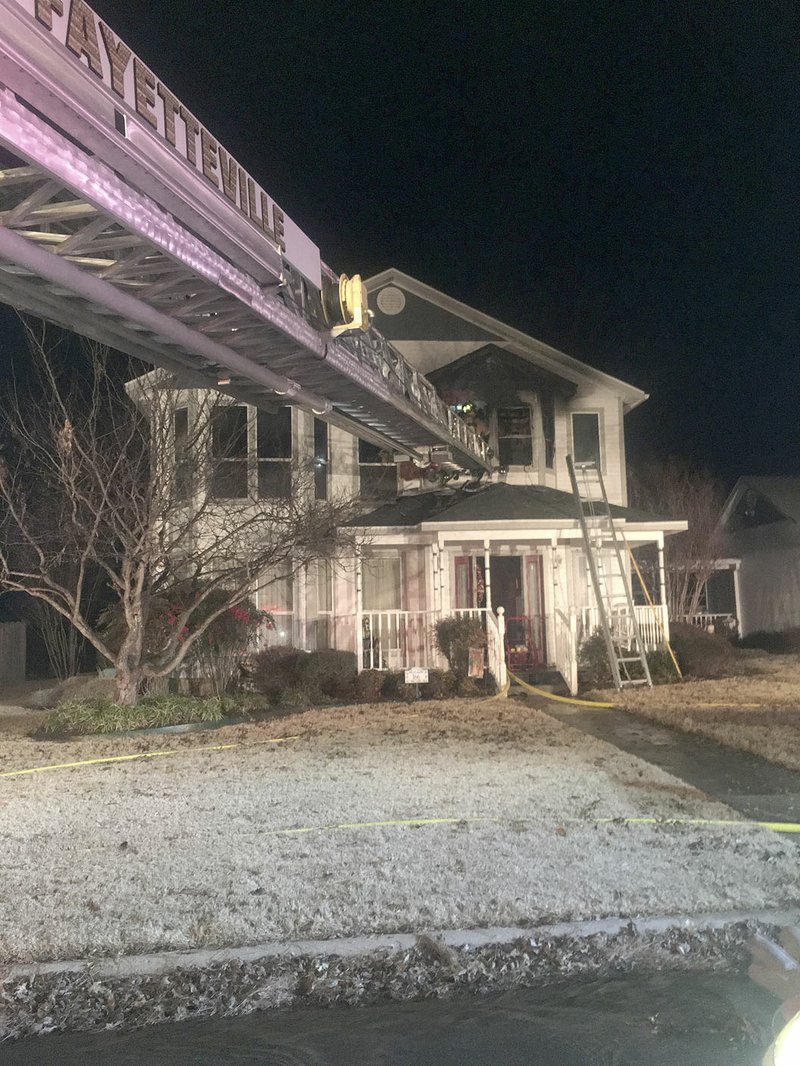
x: 662, y: 587
x: 300, y: 610
x: 444, y: 584
x: 436, y: 602
x: 487, y: 573
x: 662, y: 577
x: 359, y: 617
x: 737, y: 596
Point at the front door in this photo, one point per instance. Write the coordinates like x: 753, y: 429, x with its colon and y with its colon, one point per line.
x: 517, y: 586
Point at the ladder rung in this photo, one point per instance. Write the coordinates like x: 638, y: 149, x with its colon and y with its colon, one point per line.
x: 634, y: 681
x: 631, y: 659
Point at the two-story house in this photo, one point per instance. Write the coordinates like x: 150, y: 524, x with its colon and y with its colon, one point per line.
x: 437, y: 541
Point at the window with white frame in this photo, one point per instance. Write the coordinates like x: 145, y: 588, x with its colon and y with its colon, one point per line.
x: 586, y: 437
x: 251, y: 452
x: 514, y: 438
x: 381, y: 583
x: 274, y: 453
x: 377, y: 472
x: 229, y: 452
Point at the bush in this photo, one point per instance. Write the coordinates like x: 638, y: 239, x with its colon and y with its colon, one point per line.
x: 275, y: 669
x: 454, y: 637
x: 369, y: 684
x: 332, y: 672
x: 594, y: 671
x: 777, y: 642
x: 300, y: 696
x: 441, y: 685
x: 699, y: 653
x: 76, y: 717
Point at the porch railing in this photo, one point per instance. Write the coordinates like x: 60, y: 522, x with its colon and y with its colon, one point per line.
x: 396, y: 640
x: 566, y: 647
x: 653, y: 623
x: 711, y: 622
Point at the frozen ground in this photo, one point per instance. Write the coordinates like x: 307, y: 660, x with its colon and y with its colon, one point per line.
x: 191, y: 849
x: 757, y: 711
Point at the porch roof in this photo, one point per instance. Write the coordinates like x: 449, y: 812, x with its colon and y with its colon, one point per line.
x: 493, y: 503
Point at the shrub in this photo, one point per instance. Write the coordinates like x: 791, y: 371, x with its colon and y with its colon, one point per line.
x: 441, y: 685
x: 332, y: 672
x: 778, y: 642
x: 369, y: 684
x: 275, y: 669
x: 699, y: 653
x: 300, y: 696
x: 103, y: 716
x: 454, y: 637
x: 594, y: 671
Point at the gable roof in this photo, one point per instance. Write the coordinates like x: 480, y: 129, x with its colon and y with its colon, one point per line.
x: 496, y: 376
x: 543, y: 355
x: 781, y: 493
x: 493, y: 503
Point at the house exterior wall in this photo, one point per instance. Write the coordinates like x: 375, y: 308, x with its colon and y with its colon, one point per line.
x: 769, y: 590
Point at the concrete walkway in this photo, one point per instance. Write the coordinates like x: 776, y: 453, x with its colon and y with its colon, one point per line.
x: 756, y: 788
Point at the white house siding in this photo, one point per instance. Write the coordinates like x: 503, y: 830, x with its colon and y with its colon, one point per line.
x: 769, y: 590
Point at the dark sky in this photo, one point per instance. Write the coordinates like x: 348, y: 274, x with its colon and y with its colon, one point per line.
x: 618, y: 179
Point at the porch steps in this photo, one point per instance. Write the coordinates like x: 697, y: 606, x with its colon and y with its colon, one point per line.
x: 546, y: 680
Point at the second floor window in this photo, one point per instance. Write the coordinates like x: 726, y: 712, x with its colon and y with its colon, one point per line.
x: 274, y: 452
x: 586, y: 437
x: 320, y: 459
x: 514, y: 443
x: 378, y: 474
x: 251, y: 456
x: 229, y: 453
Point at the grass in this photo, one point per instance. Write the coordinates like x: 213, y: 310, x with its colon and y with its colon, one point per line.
x: 137, y: 855
x: 756, y: 709
x: 81, y: 717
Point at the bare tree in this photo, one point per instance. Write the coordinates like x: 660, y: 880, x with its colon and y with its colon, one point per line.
x: 676, y: 488
x: 100, y: 477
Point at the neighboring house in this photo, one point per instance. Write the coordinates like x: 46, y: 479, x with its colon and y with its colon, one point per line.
x: 438, y: 544
x: 758, y: 581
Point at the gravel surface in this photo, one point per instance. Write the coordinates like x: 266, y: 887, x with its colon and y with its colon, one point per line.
x: 191, y: 850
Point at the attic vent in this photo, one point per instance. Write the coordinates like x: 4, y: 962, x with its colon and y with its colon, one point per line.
x: 391, y: 300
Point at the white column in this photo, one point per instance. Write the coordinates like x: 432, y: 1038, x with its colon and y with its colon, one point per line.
x: 662, y: 577
x: 359, y: 617
x: 487, y: 573
x: 737, y: 593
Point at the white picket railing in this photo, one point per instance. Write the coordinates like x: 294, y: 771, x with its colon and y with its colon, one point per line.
x: 396, y: 640
x: 566, y: 646
x: 653, y: 623
x: 711, y: 622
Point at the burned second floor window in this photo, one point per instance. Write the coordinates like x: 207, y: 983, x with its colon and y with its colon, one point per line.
x: 514, y: 443
x: 274, y: 452
x: 321, y: 459
x: 548, y: 408
x: 377, y: 472
x: 229, y: 452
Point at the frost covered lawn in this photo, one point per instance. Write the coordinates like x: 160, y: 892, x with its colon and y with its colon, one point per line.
x: 756, y: 711
x: 191, y: 849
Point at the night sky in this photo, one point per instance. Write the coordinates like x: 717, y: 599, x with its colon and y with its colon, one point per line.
x: 619, y: 180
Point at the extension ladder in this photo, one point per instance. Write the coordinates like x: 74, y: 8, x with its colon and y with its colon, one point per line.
x: 620, y: 627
